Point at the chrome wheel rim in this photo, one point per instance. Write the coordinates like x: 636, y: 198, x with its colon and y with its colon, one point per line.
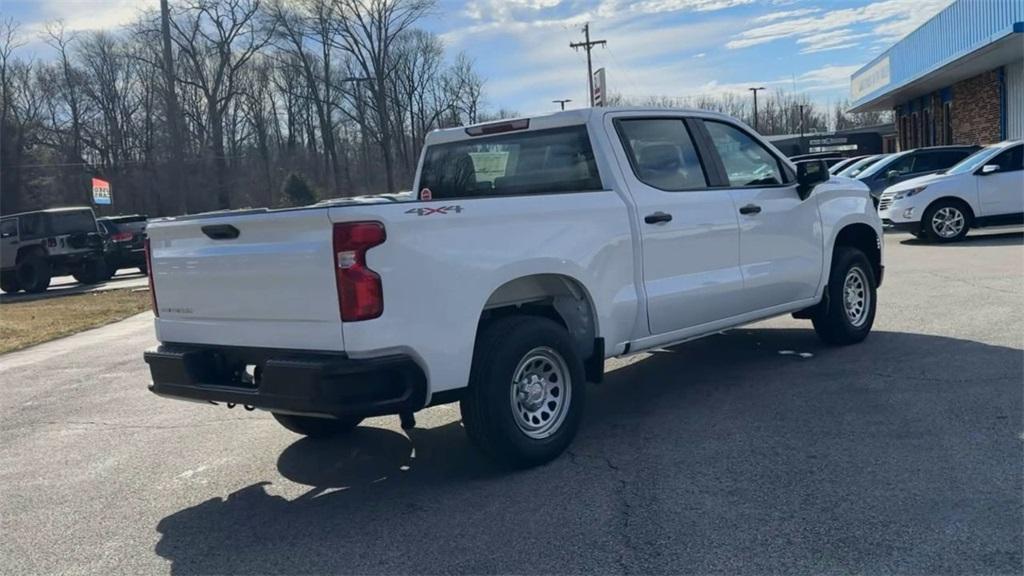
x: 540, y: 393
x: 856, y: 296
x: 948, y: 222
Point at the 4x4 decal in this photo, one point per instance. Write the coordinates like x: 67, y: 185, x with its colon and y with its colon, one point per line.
x: 427, y: 211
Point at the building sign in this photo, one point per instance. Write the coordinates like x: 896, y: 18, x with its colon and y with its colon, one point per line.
x: 827, y: 141
x: 101, y: 192
x: 870, y: 79
x: 600, y: 90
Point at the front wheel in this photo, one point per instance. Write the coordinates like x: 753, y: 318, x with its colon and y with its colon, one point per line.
x: 526, y: 391
x: 317, y: 427
x: 852, y: 297
x: 946, y: 221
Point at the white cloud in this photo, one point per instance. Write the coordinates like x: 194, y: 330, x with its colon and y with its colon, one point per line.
x: 785, y: 14
x: 892, y: 19
x: 659, y: 6
x: 831, y: 40
x: 88, y: 14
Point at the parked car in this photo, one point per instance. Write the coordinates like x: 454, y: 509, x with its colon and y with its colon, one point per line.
x: 124, y: 242
x: 35, y: 246
x: 911, y: 164
x: 985, y: 189
x: 829, y: 162
x: 859, y: 166
x: 548, y: 245
x: 830, y: 158
x: 841, y: 165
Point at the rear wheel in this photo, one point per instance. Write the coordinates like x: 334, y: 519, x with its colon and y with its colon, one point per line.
x: 9, y: 282
x: 850, y: 313
x: 318, y: 427
x: 526, y: 391
x: 33, y: 274
x: 946, y: 221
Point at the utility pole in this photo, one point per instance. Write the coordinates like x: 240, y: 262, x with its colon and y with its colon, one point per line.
x: 587, y: 45
x: 754, y: 90
x: 801, y: 128
x: 183, y: 203
x: 562, y: 102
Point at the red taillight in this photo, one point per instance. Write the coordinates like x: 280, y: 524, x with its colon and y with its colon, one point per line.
x: 360, y: 296
x: 149, y: 274
x: 121, y: 237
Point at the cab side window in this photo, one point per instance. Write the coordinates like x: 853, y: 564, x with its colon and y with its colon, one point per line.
x: 662, y: 153
x: 746, y: 161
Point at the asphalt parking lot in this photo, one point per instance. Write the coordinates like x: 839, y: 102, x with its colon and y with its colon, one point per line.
x: 756, y: 451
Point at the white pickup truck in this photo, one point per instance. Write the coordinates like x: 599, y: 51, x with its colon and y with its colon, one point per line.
x: 530, y: 251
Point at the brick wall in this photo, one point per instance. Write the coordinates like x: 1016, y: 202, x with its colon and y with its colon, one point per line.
x: 976, y: 109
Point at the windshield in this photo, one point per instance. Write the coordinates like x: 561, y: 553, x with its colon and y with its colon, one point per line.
x: 855, y: 168
x: 975, y: 160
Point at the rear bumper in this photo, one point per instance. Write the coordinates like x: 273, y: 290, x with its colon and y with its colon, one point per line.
x: 310, y: 383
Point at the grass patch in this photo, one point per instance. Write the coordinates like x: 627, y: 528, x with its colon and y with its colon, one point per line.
x: 24, y: 324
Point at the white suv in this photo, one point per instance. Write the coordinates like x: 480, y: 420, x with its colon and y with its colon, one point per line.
x: 985, y: 189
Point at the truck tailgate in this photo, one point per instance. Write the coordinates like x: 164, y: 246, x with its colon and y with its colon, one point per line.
x: 271, y: 285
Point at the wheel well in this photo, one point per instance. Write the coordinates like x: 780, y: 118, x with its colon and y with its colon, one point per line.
x: 863, y: 238
x: 559, y: 298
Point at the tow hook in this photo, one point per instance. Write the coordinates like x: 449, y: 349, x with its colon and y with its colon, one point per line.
x: 408, y: 420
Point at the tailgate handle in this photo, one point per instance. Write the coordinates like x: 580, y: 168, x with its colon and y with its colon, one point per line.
x: 221, y: 231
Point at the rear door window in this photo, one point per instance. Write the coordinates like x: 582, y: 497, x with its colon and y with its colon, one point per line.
x: 538, y: 162
x: 662, y: 153
x: 8, y: 228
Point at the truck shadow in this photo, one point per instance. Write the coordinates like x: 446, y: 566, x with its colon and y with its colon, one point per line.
x: 738, y: 442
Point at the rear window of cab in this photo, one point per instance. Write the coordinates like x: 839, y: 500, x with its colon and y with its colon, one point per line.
x: 555, y: 160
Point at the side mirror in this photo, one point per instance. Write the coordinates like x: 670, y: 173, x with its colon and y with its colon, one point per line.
x: 808, y: 175
x: 990, y: 168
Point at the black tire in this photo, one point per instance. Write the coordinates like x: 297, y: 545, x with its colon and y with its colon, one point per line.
x: 33, y: 274
x: 836, y: 323
x: 92, y: 272
x: 930, y: 229
x: 493, y: 422
x: 9, y: 282
x: 318, y: 427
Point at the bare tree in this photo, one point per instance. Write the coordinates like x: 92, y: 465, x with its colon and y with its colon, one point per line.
x: 216, y: 38
x: 368, y: 32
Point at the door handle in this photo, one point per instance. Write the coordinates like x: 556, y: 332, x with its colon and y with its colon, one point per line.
x: 750, y: 209
x: 658, y: 218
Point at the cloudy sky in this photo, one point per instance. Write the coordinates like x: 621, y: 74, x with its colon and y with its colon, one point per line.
x: 655, y: 47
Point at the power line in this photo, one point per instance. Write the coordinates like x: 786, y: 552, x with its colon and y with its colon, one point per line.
x: 588, y: 45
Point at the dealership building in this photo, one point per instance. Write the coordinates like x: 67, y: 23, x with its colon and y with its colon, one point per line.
x: 958, y: 79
